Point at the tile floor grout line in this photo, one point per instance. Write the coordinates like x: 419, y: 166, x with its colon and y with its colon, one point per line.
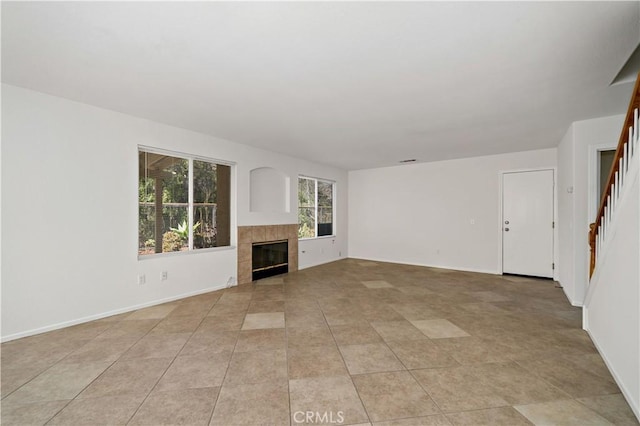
x: 543, y: 380
x: 426, y: 390
x: 215, y: 403
x: 178, y: 354
x: 62, y: 359
x: 30, y: 380
x: 58, y: 412
x: 163, y: 373
x: 82, y: 390
x: 414, y: 378
x: 116, y: 360
x: 52, y: 365
x: 345, y: 365
x: 286, y: 355
x: 170, y: 364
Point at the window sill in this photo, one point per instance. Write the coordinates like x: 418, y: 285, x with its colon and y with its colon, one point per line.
x: 184, y: 253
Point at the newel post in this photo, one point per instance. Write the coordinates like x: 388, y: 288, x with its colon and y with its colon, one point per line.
x: 592, y: 245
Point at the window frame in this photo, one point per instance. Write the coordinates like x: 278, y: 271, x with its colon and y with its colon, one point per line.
x: 190, y: 204
x: 316, y: 207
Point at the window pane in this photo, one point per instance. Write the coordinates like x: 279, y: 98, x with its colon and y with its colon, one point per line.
x: 306, y: 192
x: 325, y: 221
x: 306, y: 222
x: 175, y: 231
x: 211, y: 205
x: 325, y: 194
x: 146, y: 216
x: 306, y: 208
x: 163, y: 194
x: 223, y: 206
x: 325, y: 208
x: 204, y: 206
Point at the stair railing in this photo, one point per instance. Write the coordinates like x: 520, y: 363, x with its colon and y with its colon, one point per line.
x: 625, y: 152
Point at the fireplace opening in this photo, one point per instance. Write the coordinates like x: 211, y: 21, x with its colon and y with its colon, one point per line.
x: 269, y: 259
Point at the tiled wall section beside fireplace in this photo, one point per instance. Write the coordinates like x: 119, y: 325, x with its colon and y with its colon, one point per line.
x: 247, y: 235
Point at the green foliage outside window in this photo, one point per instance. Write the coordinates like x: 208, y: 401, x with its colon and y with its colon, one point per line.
x: 164, y: 226
x: 315, y: 208
x: 306, y: 208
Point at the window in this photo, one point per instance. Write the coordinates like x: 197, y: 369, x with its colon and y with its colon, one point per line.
x: 183, y: 203
x: 315, y: 207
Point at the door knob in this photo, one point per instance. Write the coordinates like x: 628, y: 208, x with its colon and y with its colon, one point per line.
x: 506, y: 229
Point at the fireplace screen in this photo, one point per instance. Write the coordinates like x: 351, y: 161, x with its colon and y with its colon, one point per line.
x: 269, y: 259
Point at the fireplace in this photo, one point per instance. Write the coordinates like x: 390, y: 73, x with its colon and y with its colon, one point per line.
x: 269, y: 259
x: 249, y: 235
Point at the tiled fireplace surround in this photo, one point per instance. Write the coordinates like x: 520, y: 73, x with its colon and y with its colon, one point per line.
x: 247, y: 235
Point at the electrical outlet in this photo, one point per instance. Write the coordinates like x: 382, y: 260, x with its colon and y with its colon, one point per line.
x: 164, y: 276
x: 142, y: 279
x: 339, y: 254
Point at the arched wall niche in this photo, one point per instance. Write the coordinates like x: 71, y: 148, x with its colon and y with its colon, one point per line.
x: 269, y: 190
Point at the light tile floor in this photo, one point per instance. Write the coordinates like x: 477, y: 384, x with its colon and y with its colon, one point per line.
x: 351, y: 342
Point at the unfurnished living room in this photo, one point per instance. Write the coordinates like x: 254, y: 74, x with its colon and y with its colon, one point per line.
x: 343, y: 213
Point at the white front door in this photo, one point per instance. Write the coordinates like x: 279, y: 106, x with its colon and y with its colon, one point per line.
x: 527, y: 223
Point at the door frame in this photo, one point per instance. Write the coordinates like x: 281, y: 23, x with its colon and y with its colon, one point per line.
x: 593, y: 178
x: 501, y: 174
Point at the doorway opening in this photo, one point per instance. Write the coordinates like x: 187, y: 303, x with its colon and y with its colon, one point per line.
x: 599, y: 165
x: 605, y: 161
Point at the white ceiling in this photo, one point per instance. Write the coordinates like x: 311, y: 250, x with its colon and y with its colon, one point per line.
x: 355, y: 85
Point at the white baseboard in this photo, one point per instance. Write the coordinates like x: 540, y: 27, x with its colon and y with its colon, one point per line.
x: 320, y: 263
x: 105, y: 314
x: 571, y: 301
x: 450, y: 268
x: 625, y: 392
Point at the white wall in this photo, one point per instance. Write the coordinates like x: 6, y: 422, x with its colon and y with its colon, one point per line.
x: 611, y: 306
x: 69, y: 224
x: 587, y: 134
x: 581, y: 141
x: 422, y: 213
x: 566, y: 190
